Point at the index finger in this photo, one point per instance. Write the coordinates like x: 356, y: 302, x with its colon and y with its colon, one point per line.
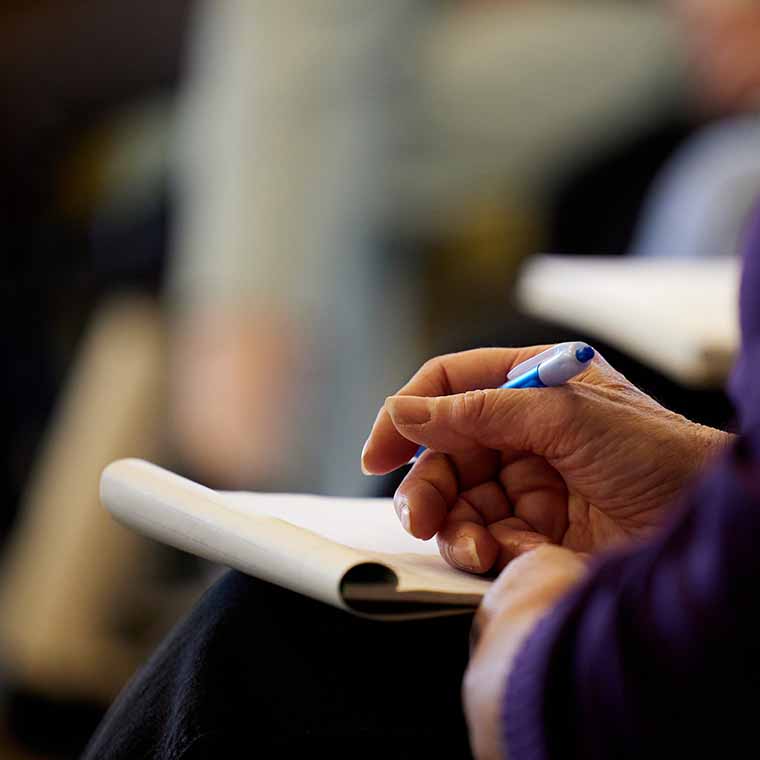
x: 386, y: 449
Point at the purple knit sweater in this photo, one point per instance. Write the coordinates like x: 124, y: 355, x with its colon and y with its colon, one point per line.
x: 657, y: 654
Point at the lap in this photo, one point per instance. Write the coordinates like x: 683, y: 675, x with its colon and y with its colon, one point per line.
x: 255, y: 665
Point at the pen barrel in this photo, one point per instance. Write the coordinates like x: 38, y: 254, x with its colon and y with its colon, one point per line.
x: 531, y: 379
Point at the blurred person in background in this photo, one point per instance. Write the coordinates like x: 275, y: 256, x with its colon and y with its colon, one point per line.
x: 722, y: 46
x: 700, y: 203
x: 319, y: 144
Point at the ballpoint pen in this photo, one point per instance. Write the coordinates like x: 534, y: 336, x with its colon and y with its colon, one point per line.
x: 550, y: 368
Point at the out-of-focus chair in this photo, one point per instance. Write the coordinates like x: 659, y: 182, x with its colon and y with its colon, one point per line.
x: 69, y: 567
x: 83, y: 600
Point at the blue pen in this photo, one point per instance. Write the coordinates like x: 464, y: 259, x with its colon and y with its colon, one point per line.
x: 552, y: 367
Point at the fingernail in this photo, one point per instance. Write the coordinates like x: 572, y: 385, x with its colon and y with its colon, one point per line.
x: 365, y: 471
x: 465, y: 554
x: 409, y: 410
x: 401, y: 505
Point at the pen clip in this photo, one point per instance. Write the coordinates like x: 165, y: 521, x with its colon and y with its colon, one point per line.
x: 534, y: 361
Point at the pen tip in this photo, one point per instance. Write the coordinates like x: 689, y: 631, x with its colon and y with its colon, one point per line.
x: 585, y: 354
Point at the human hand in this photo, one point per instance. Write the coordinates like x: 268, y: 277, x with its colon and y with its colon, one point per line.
x: 723, y: 37
x: 514, y: 603
x: 584, y: 465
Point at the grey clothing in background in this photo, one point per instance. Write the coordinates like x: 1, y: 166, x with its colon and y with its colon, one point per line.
x: 313, y: 128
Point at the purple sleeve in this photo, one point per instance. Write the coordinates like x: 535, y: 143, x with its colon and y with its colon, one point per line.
x: 656, y: 652
x: 656, y: 647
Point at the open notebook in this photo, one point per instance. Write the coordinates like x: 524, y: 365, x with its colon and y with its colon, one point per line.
x: 351, y: 553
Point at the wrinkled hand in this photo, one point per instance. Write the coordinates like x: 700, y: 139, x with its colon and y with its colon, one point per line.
x: 584, y: 465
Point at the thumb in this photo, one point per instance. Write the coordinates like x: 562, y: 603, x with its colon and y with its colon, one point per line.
x: 499, y: 418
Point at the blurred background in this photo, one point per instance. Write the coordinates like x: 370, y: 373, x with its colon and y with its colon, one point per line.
x: 229, y: 230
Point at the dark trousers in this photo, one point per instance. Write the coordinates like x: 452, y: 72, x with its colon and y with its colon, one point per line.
x: 257, y: 671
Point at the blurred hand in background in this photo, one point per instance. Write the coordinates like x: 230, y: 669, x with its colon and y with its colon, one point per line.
x: 723, y: 39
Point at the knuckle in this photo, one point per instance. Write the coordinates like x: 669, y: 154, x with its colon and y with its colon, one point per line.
x: 432, y: 377
x: 470, y: 409
x: 469, y: 685
x: 430, y: 366
x: 602, y: 373
x: 552, y: 413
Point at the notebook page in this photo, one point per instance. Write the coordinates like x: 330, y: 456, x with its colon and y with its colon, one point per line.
x: 371, y: 527
x: 364, y: 524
